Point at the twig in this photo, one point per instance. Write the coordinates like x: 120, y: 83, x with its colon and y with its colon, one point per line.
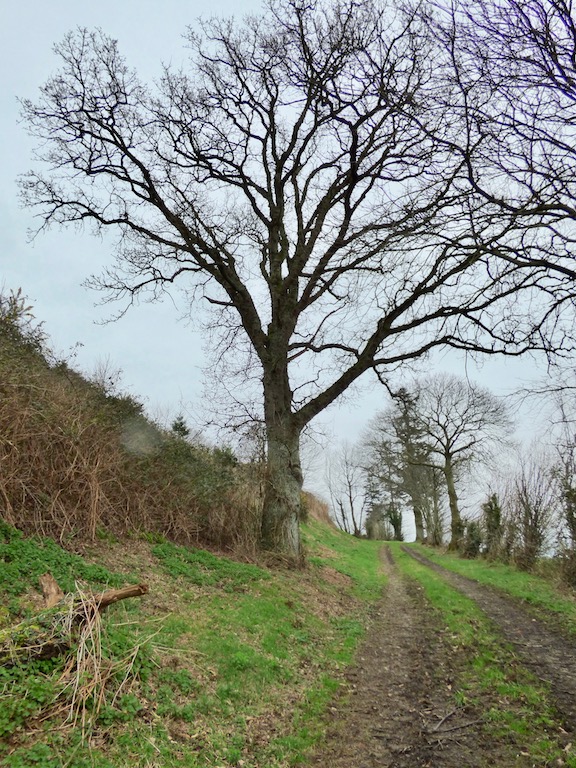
x: 460, y: 727
x: 446, y: 717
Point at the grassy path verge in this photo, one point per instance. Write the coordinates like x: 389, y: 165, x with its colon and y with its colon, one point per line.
x: 542, y: 597
x: 516, y: 705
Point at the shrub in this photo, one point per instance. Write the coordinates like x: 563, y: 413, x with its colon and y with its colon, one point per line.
x: 78, y: 458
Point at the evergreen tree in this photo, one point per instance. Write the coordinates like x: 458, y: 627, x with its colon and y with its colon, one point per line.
x: 492, y: 518
x: 180, y: 428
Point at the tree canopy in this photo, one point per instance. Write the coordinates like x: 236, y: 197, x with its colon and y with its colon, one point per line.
x: 308, y: 177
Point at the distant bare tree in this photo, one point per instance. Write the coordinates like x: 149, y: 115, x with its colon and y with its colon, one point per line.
x: 462, y: 423
x: 555, y: 397
x: 560, y: 390
x: 534, y: 508
x: 346, y: 483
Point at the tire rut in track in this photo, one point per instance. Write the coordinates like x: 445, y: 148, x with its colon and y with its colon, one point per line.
x: 549, y: 655
x: 397, y: 708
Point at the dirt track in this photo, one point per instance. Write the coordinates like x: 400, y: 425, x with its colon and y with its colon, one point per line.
x: 397, y: 707
x: 548, y: 654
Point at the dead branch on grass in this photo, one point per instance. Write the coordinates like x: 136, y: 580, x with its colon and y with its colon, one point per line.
x: 438, y: 732
x: 54, y: 629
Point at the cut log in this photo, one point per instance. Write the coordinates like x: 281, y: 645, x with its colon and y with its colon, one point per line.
x: 52, y: 631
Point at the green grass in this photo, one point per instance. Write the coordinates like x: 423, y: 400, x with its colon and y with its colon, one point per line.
x: 24, y: 560
x: 205, y: 569
x: 229, y: 663
x: 540, y: 595
x: 516, y: 704
x: 224, y: 662
x: 356, y: 558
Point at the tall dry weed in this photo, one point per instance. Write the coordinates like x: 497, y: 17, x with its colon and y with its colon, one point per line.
x: 317, y: 509
x: 75, y: 461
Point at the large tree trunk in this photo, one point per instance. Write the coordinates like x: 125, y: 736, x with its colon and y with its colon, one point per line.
x: 282, y: 497
x: 456, y: 526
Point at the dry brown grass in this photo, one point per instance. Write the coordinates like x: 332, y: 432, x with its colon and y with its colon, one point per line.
x: 76, y: 461
x: 317, y: 509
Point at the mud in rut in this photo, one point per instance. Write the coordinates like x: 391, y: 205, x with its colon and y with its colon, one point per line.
x: 397, y: 707
x: 548, y: 654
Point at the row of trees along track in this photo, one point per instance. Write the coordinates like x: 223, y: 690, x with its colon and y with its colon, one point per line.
x: 347, y: 185
x: 414, y: 452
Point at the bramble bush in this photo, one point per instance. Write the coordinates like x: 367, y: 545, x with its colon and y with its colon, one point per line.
x: 78, y: 458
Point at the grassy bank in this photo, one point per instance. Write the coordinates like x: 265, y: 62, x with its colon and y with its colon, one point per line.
x: 223, y: 663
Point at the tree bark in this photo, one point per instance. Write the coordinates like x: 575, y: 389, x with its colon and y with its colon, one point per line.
x: 282, y: 498
x: 114, y: 595
x: 280, y: 530
x: 456, y: 526
x: 435, y: 530
x: 418, y: 522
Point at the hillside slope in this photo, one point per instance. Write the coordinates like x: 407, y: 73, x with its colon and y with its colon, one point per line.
x: 226, y: 663
x: 79, y: 458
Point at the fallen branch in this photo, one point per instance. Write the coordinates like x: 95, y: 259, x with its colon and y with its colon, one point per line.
x: 114, y: 595
x: 460, y: 727
x: 446, y: 717
x: 52, y: 631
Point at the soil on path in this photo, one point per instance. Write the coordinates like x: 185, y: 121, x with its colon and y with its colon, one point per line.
x: 550, y: 655
x: 397, y: 707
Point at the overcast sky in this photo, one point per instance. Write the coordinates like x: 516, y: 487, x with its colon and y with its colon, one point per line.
x: 161, y: 358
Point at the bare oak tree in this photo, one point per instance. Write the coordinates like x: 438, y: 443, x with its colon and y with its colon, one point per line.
x: 304, y: 178
x: 461, y: 423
